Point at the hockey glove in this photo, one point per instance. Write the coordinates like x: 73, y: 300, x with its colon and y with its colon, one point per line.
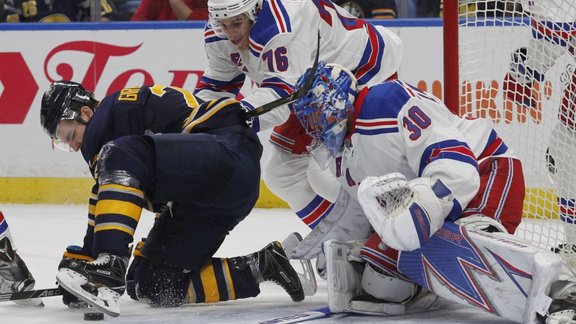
x: 518, y: 83
x: 73, y: 252
x: 405, y: 214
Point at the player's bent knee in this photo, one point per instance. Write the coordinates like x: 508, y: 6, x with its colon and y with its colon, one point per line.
x: 126, y: 161
x: 161, y: 285
x: 385, y: 287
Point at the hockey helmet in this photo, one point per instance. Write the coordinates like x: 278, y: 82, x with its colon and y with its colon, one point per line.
x: 324, y: 110
x: 62, y: 101
x: 222, y: 9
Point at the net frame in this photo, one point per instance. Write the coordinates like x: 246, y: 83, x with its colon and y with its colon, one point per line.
x: 479, y: 39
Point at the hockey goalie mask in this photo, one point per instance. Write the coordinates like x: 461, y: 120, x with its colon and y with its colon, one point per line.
x: 62, y: 101
x: 324, y: 110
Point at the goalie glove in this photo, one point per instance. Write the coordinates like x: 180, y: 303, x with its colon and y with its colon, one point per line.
x: 405, y: 214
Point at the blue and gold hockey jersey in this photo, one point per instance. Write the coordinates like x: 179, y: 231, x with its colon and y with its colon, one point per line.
x: 154, y: 109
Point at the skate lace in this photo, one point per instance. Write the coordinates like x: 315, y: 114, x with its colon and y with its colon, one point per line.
x: 102, y: 260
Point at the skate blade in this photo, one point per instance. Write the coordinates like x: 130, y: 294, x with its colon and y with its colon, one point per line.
x: 305, y: 271
x: 107, y: 300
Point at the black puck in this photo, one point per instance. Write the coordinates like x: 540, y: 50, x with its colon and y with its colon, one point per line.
x: 93, y: 316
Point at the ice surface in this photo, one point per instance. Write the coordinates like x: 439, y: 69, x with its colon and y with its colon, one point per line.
x: 41, y: 232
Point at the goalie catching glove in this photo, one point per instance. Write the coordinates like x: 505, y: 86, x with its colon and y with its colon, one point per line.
x: 405, y: 214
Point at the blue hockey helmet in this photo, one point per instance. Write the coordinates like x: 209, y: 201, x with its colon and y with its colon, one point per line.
x: 62, y: 101
x: 324, y: 110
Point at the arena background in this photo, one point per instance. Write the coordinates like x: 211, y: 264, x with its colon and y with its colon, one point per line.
x: 106, y: 57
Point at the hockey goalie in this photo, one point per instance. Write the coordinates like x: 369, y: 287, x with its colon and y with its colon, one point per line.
x: 444, y: 196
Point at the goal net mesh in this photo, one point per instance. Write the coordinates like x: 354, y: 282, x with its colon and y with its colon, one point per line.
x: 516, y: 63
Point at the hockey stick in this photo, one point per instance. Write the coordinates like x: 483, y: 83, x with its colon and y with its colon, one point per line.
x: 39, y: 293
x: 295, y: 95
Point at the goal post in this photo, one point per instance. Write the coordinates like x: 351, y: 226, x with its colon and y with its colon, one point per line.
x: 512, y: 61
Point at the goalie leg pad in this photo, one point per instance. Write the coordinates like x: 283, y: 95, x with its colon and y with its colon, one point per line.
x: 343, y: 276
x: 495, y: 272
x: 345, y: 293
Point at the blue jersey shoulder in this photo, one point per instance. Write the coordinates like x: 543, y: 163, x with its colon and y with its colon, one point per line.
x: 384, y: 100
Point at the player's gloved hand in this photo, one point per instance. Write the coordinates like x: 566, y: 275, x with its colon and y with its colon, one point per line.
x: 518, y: 83
x: 73, y: 252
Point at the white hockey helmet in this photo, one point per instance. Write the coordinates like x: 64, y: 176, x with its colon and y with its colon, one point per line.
x: 222, y: 9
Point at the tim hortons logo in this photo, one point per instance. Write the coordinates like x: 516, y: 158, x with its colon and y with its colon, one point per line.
x: 18, y: 86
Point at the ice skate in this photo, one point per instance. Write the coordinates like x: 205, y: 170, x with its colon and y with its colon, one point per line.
x: 562, y: 310
x: 14, y: 275
x: 305, y: 272
x: 100, y: 283
x: 271, y: 264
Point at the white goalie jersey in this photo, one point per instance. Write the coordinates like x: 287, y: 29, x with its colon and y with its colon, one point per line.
x: 282, y: 45
x: 398, y: 128
x: 553, y: 35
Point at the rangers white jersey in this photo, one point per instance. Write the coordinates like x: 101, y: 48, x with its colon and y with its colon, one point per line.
x: 553, y: 27
x: 551, y: 10
x: 282, y: 45
x: 398, y: 128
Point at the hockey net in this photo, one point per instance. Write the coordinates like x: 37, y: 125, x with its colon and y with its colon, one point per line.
x: 533, y: 112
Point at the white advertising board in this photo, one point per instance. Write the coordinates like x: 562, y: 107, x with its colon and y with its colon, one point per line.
x: 107, y: 57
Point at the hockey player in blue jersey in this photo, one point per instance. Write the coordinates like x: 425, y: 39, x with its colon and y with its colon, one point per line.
x: 443, y: 194
x: 158, y: 147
